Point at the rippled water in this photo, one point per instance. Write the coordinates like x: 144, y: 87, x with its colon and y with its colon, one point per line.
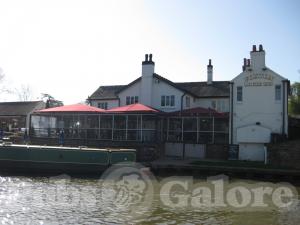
x: 44, y: 200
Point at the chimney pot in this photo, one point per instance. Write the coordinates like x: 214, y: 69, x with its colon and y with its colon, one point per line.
x: 245, y: 61
x: 150, y: 57
x: 248, y: 62
x: 261, y: 48
x: 254, y: 48
x: 146, y: 57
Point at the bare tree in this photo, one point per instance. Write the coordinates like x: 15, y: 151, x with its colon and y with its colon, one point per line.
x: 3, y: 88
x: 24, y: 93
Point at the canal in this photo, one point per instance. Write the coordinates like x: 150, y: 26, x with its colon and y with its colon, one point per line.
x: 68, y: 200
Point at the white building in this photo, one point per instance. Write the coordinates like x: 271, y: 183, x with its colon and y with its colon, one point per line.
x: 259, y: 101
x: 256, y: 100
x: 158, y: 92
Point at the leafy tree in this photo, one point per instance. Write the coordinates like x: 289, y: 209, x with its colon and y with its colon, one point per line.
x: 51, y: 101
x: 294, y: 101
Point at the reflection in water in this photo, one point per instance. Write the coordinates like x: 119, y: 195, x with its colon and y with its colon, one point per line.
x: 40, y: 200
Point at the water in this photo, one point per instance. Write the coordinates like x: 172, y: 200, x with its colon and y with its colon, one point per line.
x: 65, y: 200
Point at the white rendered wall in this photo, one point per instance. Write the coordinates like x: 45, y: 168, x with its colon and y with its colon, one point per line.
x: 113, y: 103
x: 258, y: 105
x: 207, y: 103
x: 251, y: 152
x: 161, y: 88
x: 133, y: 90
x: 146, y: 84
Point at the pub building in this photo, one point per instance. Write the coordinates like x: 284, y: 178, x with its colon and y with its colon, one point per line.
x: 158, y: 117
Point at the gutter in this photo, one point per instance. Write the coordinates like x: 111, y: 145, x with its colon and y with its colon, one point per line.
x: 231, y: 113
x: 181, y: 107
x: 283, y: 105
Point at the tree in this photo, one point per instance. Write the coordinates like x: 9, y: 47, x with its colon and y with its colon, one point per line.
x: 24, y: 93
x: 51, y: 101
x: 294, y: 101
x: 3, y: 88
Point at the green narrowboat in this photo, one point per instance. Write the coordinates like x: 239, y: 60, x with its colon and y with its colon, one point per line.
x: 57, y: 159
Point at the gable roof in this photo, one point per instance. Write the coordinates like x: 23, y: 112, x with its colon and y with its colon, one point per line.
x: 195, y: 89
x: 134, y: 108
x: 107, y: 92
x: 19, y: 108
x: 72, y: 108
x: 202, y: 89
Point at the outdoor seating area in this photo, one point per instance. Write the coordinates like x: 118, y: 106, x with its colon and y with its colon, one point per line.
x: 132, y: 123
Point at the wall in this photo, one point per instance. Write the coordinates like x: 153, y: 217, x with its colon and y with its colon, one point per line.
x: 161, y: 88
x: 110, y: 103
x: 258, y: 105
x: 284, y: 155
x: 207, y: 103
x: 133, y: 90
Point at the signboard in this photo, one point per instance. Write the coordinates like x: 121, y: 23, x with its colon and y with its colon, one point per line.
x: 259, y: 79
x: 233, y: 153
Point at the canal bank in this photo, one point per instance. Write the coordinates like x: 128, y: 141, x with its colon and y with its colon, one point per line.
x: 233, y: 169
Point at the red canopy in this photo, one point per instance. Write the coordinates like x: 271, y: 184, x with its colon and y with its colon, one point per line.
x: 134, y: 108
x: 73, y: 108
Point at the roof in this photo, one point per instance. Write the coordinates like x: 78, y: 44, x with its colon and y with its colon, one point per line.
x: 134, y: 108
x: 19, y: 108
x: 107, y: 92
x: 202, y: 89
x: 199, y: 111
x: 72, y: 108
x: 195, y: 89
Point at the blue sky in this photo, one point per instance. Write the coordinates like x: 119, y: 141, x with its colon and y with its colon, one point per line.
x: 69, y: 48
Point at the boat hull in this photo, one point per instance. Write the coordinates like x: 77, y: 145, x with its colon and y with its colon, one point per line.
x: 46, y: 159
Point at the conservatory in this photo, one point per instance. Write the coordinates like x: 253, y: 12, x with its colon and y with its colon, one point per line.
x: 131, y: 123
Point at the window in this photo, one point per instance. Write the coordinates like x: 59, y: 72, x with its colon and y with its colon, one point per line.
x: 222, y: 106
x: 168, y: 100
x: 102, y: 105
x: 172, y: 100
x: 132, y: 99
x: 278, y: 92
x: 213, y: 104
x: 163, y: 100
x: 127, y: 100
x: 239, y: 94
x: 187, y: 101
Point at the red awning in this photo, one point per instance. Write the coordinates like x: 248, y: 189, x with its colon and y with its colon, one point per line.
x: 72, y: 108
x: 134, y: 108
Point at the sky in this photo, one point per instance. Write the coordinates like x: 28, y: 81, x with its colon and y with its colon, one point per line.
x: 69, y: 48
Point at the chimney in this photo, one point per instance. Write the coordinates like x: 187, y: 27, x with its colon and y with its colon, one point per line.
x: 248, y: 62
x: 209, y: 72
x: 148, y: 66
x: 258, y: 58
x: 245, y: 64
x: 147, y: 80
